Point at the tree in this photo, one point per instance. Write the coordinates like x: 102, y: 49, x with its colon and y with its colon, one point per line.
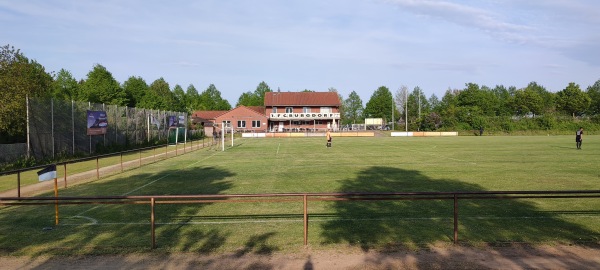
x: 158, y: 97
x: 256, y: 98
x: 572, y: 100
x: 449, y: 109
x: 547, y: 97
x: 503, y: 98
x: 180, y: 99
x: 353, y: 109
x: 527, y: 101
x: 19, y: 78
x: 341, y: 98
x: 135, y: 88
x: 593, y: 92
x: 401, y: 101
x: 193, y: 98
x: 211, y: 100
x: 380, y: 104
x: 65, y: 87
x: 101, y: 87
x: 475, y: 99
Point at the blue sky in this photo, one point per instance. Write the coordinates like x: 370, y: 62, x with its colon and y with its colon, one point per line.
x: 350, y: 45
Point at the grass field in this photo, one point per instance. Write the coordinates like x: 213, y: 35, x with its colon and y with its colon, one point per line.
x: 296, y: 165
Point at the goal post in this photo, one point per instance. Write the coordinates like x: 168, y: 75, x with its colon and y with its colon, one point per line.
x: 225, y: 125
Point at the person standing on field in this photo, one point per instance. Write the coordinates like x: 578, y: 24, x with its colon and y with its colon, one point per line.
x: 579, y: 137
x: 328, y: 135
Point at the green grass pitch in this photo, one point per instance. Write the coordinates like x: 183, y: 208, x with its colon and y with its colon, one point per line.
x: 297, y: 165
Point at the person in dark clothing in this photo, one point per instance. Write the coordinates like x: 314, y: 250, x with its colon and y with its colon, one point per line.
x: 579, y: 137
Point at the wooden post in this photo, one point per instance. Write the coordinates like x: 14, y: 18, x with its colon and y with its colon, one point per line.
x: 305, y: 220
x: 152, y: 223
x: 455, y: 219
x: 65, y: 166
x: 56, y: 201
x: 19, y: 184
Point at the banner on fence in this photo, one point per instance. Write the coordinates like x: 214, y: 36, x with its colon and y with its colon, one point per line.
x: 173, y: 121
x: 96, y: 122
x: 154, y: 121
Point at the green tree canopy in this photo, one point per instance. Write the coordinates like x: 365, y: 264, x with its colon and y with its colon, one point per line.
x: 180, y: 99
x: 380, y: 104
x: 572, y: 100
x: 135, y: 88
x: 193, y: 98
x: 527, y: 101
x: 65, y: 87
x: 19, y: 78
x: 593, y: 92
x: 159, y: 96
x: 101, y: 87
x: 353, y: 109
x: 211, y: 100
x: 256, y: 98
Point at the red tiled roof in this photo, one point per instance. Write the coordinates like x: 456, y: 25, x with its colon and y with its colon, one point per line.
x: 207, y: 114
x: 302, y: 99
x: 258, y: 109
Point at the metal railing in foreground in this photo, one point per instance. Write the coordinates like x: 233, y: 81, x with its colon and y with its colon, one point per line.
x: 304, y: 197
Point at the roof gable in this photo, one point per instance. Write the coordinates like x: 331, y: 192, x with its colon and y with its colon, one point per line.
x: 302, y: 99
x: 207, y: 114
x: 246, y: 111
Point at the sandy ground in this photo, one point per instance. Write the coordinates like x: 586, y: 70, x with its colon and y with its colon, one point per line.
x: 456, y: 257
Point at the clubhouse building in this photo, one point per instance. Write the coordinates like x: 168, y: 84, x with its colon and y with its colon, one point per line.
x: 288, y: 112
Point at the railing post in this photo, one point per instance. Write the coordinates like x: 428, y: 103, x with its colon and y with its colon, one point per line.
x: 97, y: 168
x: 65, y: 166
x: 19, y: 184
x: 140, y: 157
x: 305, y: 220
x: 455, y: 219
x: 152, y: 223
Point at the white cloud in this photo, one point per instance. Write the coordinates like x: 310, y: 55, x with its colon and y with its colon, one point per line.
x: 467, y: 16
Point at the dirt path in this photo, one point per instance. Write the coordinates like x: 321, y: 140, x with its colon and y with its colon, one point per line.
x: 455, y: 257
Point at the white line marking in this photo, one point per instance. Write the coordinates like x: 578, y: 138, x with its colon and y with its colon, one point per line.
x: 278, y: 149
x: 93, y: 221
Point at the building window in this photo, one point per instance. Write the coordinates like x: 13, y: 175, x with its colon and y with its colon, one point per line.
x: 289, y: 109
x: 325, y: 109
x: 306, y: 110
x: 256, y: 123
x: 318, y: 122
x: 227, y: 124
x: 274, y: 109
x: 241, y: 124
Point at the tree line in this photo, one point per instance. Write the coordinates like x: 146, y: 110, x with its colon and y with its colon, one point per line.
x: 473, y: 107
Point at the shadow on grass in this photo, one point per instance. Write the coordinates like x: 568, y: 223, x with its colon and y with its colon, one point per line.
x: 396, y: 225
x: 102, y: 229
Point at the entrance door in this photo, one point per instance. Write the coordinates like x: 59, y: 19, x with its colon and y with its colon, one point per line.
x: 280, y: 128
